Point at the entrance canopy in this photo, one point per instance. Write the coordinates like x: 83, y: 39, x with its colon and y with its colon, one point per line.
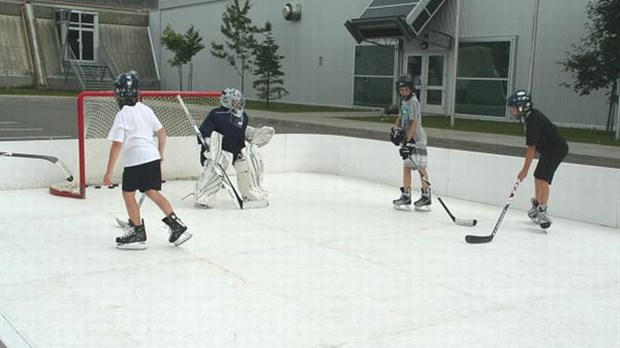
x: 393, y: 19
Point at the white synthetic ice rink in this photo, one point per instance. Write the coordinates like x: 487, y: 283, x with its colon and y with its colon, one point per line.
x: 328, y: 264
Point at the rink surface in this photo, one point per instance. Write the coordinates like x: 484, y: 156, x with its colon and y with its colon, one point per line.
x: 328, y: 264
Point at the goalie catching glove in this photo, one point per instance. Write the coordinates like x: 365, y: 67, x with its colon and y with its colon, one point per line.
x: 397, y: 135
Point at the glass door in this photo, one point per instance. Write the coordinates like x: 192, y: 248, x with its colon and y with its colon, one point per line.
x: 429, y: 75
x: 82, y: 36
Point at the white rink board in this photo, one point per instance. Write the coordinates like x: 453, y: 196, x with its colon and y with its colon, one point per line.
x: 477, y: 177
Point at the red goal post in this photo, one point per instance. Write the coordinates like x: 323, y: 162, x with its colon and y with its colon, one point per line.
x: 95, y: 115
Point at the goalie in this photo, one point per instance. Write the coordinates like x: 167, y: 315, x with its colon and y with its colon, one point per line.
x: 226, y: 131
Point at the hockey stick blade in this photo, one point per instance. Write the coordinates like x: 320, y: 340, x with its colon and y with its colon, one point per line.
x: 458, y: 221
x: 478, y: 239
x: 471, y: 239
x: 125, y: 224
x: 60, y: 164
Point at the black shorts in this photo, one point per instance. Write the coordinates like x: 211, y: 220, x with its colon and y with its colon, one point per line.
x: 142, y: 177
x: 547, y: 165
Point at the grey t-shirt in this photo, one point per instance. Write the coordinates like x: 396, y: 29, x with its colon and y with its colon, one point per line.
x: 409, y: 112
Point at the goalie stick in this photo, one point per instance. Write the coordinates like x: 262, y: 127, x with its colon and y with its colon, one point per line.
x: 60, y: 164
x: 485, y: 239
x: 228, y: 185
x: 456, y: 220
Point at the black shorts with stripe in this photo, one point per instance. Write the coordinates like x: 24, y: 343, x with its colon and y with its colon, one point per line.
x: 143, y: 177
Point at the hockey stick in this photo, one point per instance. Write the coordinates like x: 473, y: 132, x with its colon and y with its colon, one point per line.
x: 485, y: 239
x: 60, y: 164
x: 456, y: 220
x: 228, y: 185
x: 125, y: 224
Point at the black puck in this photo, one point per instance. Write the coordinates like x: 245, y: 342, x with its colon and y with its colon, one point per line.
x: 97, y: 186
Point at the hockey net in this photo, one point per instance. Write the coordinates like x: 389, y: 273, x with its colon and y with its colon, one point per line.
x: 96, y: 112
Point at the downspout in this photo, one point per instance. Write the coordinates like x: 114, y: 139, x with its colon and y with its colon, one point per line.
x: 35, y: 51
x: 617, y: 106
x: 530, y: 80
x: 455, y: 59
x: 148, y: 30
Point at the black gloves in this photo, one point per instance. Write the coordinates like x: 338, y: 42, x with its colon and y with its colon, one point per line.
x: 407, y: 149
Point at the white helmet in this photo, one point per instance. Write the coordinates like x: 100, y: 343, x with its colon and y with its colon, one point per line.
x: 233, y: 100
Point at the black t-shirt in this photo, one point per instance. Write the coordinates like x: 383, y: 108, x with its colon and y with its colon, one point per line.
x: 230, y: 127
x: 543, y: 134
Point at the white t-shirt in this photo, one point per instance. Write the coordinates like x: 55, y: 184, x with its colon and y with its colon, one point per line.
x: 134, y: 126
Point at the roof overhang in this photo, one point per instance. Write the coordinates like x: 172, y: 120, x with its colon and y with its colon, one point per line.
x: 378, y: 28
x: 404, y: 19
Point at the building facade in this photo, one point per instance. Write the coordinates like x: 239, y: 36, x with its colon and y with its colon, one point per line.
x: 500, y: 46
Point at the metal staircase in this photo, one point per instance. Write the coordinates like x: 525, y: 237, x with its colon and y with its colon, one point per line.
x: 90, y: 75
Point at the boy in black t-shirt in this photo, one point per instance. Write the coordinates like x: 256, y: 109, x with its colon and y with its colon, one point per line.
x: 543, y: 137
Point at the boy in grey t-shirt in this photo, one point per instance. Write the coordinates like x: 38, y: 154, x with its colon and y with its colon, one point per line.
x: 412, y: 145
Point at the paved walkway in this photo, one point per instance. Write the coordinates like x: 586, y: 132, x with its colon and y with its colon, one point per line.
x: 336, y: 123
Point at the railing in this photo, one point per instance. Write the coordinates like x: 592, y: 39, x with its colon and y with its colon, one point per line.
x: 106, y: 58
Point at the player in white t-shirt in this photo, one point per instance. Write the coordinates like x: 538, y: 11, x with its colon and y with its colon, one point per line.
x: 132, y: 132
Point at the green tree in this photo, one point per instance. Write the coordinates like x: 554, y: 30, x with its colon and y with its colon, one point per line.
x: 595, y: 63
x: 175, y: 43
x: 239, y: 32
x: 193, y: 45
x: 269, y: 83
x: 185, y: 47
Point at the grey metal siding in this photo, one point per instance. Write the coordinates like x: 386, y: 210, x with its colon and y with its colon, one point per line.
x: 320, y: 34
x: 561, y: 24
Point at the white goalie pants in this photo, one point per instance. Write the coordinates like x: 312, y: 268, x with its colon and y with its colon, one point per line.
x: 249, y: 170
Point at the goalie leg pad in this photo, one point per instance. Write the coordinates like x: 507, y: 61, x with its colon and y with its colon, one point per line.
x: 207, y: 187
x: 244, y: 182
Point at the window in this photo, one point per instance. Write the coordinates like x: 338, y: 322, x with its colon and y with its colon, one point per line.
x: 374, y: 76
x: 482, y: 78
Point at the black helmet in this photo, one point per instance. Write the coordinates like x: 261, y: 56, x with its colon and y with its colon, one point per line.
x: 126, y: 88
x: 405, y: 81
x: 522, y: 100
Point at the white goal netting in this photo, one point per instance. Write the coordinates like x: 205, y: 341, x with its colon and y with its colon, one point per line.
x: 96, y: 111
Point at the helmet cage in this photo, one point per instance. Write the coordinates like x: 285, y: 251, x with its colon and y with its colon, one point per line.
x: 233, y: 100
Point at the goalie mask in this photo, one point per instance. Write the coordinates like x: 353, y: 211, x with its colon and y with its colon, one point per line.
x: 522, y: 101
x: 233, y: 100
x: 126, y: 88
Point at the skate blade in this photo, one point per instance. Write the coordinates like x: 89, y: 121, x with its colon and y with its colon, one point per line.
x: 423, y: 209
x: 402, y: 207
x: 132, y: 246
x: 183, y: 238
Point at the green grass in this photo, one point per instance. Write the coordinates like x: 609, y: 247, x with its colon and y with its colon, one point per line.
x: 578, y: 135
x: 285, y: 107
x: 32, y: 91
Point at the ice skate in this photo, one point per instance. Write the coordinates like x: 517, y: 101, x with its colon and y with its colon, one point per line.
x: 543, y: 219
x: 177, y: 229
x: 424, y: 203
x: 133, y: 239
x: 533, y: 212
x: 404, y: 202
